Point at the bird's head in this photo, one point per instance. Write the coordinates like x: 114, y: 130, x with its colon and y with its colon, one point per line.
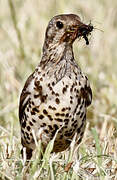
x: 66, y: 28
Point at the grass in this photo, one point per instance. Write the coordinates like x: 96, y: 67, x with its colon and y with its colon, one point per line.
x: 22, y: 28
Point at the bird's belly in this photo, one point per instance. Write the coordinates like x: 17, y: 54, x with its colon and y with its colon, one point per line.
x: 64, y: 110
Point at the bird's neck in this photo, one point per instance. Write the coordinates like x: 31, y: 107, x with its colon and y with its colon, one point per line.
x: 52, y: 55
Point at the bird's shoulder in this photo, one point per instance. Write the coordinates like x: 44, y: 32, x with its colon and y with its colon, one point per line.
x: 83, y: 84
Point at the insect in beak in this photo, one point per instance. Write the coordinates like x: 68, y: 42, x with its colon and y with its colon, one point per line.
x: 85, y: 30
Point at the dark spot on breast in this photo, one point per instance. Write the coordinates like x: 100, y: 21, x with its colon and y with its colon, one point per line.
x: 28, y: 128
x: 76, y: 108
x: 22, y: 130
x: 81, y: 115
x: 66, y: 120
x: 67, y: 115
x: 40, y: 88
x: 74, y: 89
x: 41, y: 116
x: 50, y: 127
x: 41, y: 79
x: 43, y: 125
x: 45, y: 112
x: 27, y: 142
x: 27, y: 109
x: 43, y: 98
x: 56, y: 94
x: 78, y: 113
x: 80, y: 107
x: 31, y: 123
x: 71, y: 97
x: 33, y: 120
x: 71, y: 102
x: 71, y: 89
x: 79, y: 100
x: 79, y: 129
x: 63, y: 109
x: 79, y: 141
x: 57, y: 100
x: 83, y: 102
x: 50, y: 107
x: 50, y: 88
x: 75, y: 125
x: 66, y: 123
x: 62, y: 114
x: 32, y: 103
x: 58, y: 119
x: 50, y: 117
x: 24, y: 124
x: 57, y: 114
x: 48, y: 84
x: 46, y: 131
x: 53, y: 83
x: 35, y: 109
x: 82, y: 133
x: 28, y: 138
x: 33, y: 113
x: 31, y: 135
x: 75, y: 122
x: 36, y: 96
x: 26, y: 134
x: 55, y: 126
x: 53, y: 133
x: 36, y: 83
x: 53, y: 93
x: 64, y: 90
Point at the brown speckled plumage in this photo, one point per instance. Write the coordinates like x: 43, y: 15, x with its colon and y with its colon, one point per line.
x: 57, y: 94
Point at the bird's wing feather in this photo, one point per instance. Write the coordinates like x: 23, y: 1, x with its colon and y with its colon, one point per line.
x: 24, y: 98
x: 86, y: 92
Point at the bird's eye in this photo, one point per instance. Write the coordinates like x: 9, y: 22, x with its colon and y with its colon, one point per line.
x: 59, y: 24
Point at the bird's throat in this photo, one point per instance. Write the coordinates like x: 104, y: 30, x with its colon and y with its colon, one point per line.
x: 55, y: 54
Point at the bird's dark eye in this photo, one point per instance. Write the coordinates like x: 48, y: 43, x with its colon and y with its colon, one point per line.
x: 59, y: 24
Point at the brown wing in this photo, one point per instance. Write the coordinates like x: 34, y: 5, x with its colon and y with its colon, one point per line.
x: 86, y: 93
x: 23, y: 101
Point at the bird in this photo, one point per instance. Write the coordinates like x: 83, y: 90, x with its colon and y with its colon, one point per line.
x: 56, y: 95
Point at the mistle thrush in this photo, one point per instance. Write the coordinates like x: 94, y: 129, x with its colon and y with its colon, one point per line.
x: 56, y: 95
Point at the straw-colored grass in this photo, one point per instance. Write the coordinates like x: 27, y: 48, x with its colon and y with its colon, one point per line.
x: 22, y: 28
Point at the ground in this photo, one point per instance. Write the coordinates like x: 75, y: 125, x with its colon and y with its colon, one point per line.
x: 21, y: 39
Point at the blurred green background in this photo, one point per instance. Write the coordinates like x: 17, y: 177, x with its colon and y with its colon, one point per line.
x: 21, y: 39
